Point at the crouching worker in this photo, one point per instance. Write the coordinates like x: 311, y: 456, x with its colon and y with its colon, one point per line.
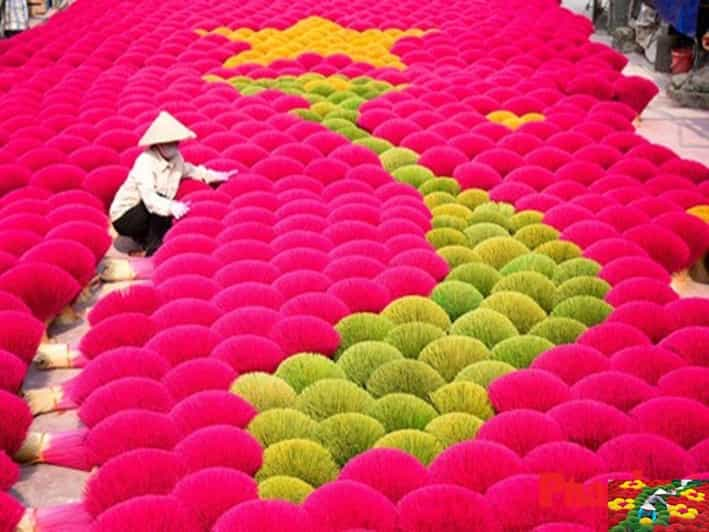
x: 145, y: 206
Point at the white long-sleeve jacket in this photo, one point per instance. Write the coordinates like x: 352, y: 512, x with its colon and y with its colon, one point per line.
x: 155, y: 181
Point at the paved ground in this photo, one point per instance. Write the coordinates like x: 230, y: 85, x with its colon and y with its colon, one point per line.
x: 44, y: 485
x: 686, y: 131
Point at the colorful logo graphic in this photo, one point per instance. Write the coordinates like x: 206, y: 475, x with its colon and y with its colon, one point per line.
x: 659, y: 505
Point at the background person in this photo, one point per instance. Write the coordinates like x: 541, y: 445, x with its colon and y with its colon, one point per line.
x: 15, y: 17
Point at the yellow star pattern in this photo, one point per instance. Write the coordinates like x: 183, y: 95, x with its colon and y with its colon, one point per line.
x: 511, y: 120
x: 316, y: 35
x: 701, y: 212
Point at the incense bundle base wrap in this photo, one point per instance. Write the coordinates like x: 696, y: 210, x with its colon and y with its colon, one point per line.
x: 66, y: 449
x: 55, y: 356
x: 112, y: 270
x: 70, y: 517
x: 49, y: 399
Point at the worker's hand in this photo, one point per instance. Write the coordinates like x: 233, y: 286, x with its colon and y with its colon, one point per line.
x: 220, y: 177
x: 178, y: 209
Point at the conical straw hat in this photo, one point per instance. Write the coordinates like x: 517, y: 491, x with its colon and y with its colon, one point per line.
x: 166, y: 128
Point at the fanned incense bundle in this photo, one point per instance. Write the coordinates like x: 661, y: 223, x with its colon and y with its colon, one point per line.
x: 197, y: 375
x: 114, y: 364
x: 46, y: 289
x: 16, y: 419
x: 132, y: 474
x: 9, y: 471
x: 72, y: 257
x: 134, y: 298
x: 149, y: 513
x: 125, y: 329
x: 12, y: 371
x: 211, y: 492
x: 137, y: 393
x: 112, y: 270
x: 221, y: 446
x: 347, y: 504
x: 83, y: 449
x: 265, y: 515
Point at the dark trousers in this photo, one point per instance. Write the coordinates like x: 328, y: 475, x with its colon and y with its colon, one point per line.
x: 146, y: 228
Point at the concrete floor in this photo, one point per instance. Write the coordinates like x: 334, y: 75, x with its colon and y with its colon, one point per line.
x: 44, y: 485
x: 686, y: 131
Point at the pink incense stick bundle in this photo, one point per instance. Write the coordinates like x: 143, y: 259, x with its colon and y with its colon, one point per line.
x: 186, y: 311
x: 198, y: 374
x: 83, y: 449
x: 301, y: 281
x: 46, y: 288
x: 135, y: 298
x: 475, y: 464
x: 66, y: 449
x: 446, y: 507
x: 149, y: 513
x: 211, y: 492
x: 71, y: 256
x: 111, y: 365
x: 213, y: 407
x: 69, y: 213
x: 187, y: 285
x: 221, y: 446
x: 113, y: 270
x: 132, y: 474
x: 347, y: 504
x: 250, y: 352
x: 65, y: 518
x: 9, y: 471
x: 17, y: 241
x: 301, y: 334
x: 184, y: 342
x: 137, y: 393
x: 11, y: 301
x: 247, y: 320
x: 21, y: 334
x: 248, y: 294
x: 266, y: 515
x: 73, y: 197
x: 125, y: 329
x: 11, y: 512
x: 391, y: 472
x: 16, y: 419
x: 12, y: 371
x: 197, y: 263
x: 184, y: 244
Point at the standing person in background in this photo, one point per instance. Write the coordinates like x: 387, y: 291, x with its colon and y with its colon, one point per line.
x: 15, y: 17
x: 145, y: 205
